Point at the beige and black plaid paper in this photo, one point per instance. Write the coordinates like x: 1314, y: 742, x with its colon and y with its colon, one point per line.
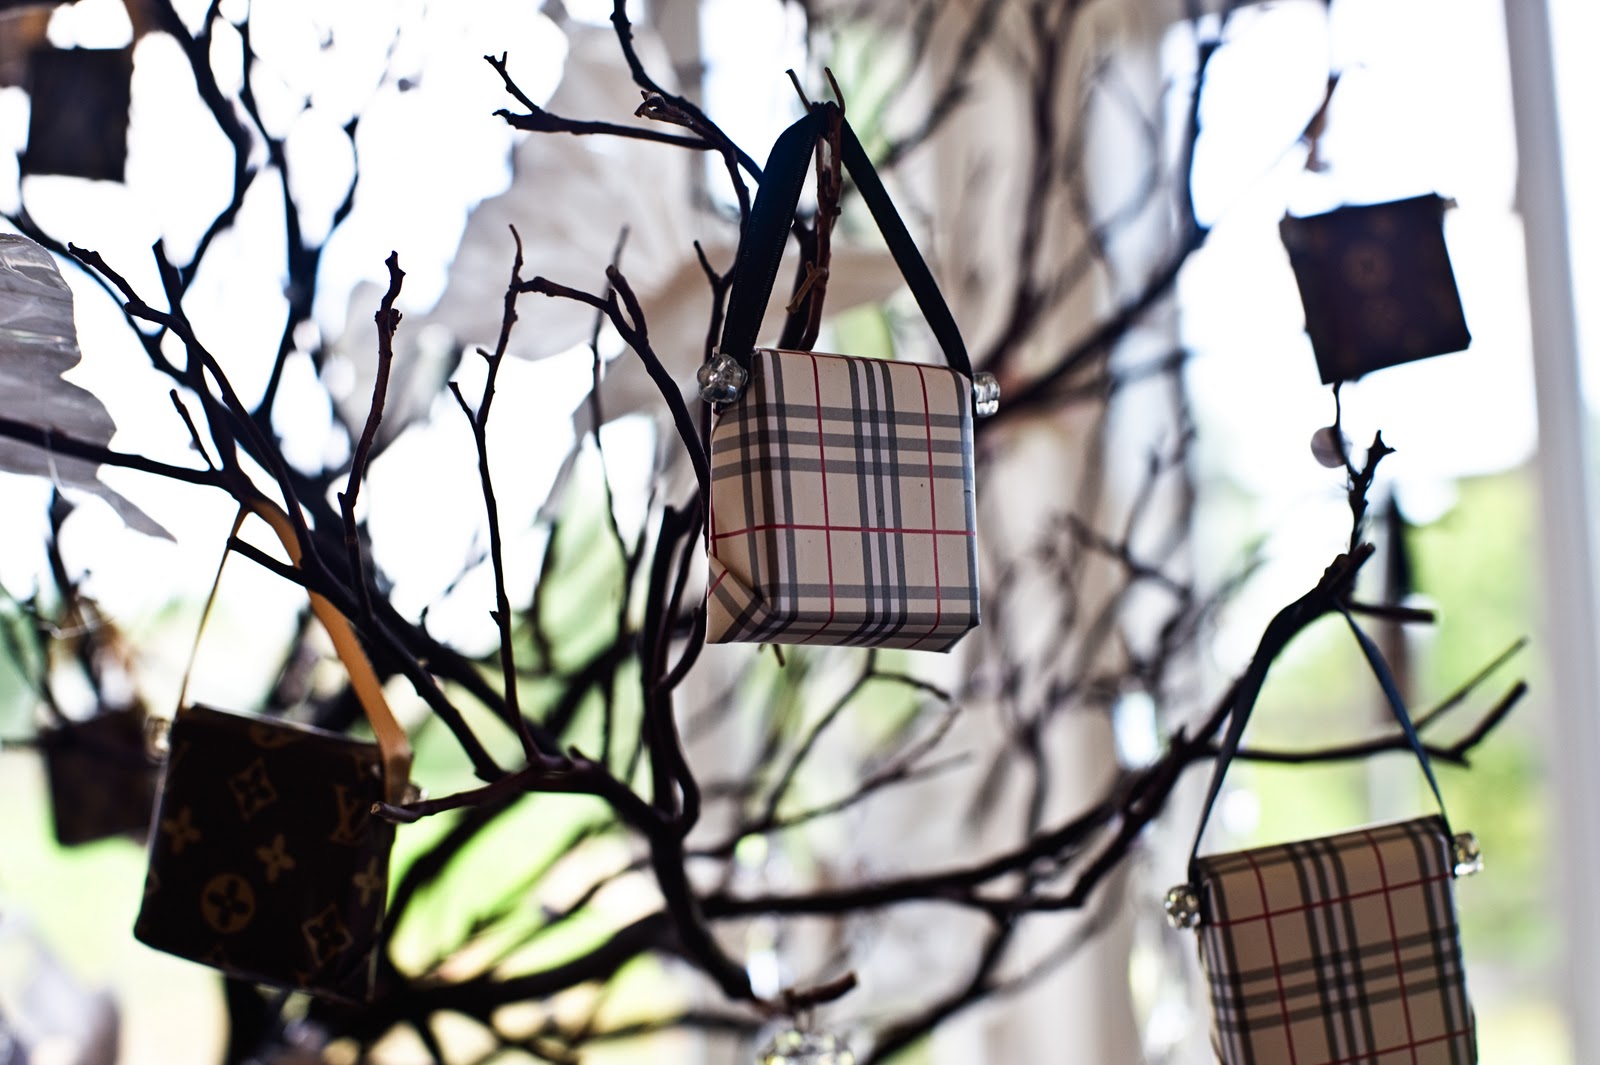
x: 842, y: 507
x: 1337, y: 951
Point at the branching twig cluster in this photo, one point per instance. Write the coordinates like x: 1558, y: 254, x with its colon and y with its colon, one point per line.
x: 684, y: 822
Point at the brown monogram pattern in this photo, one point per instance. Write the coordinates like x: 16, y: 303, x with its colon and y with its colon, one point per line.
x: 267, y: 863
x: 326, y: 936
x: 275, y: 859
x: 228, y: 903
x: 252, y: 789
x: 179, y: 830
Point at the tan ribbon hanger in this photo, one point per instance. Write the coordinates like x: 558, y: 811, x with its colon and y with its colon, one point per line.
x: 393, y: 743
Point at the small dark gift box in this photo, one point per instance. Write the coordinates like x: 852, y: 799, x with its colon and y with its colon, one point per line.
x: 79, y: 121
x: 265, y: 860
x: 102, y: 780
x: 1376, y: 284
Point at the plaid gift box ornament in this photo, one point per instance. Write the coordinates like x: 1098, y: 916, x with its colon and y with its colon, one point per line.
x: 1342, y: 950
x: 266, y: 861
x: 842, y: 506
x: 1376, y: 284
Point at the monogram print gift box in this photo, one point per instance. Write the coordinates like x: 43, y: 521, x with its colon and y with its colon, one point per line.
x: 265, y: 860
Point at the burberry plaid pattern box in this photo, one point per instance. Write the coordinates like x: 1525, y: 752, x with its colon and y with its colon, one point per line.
x: 265, y: 859
x: 842, y: 505
x: 1337, y: 951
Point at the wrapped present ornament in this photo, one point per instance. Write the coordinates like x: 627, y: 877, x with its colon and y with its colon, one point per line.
x: 78, y: 126
x: 266, y: 861
x: 1336, y: 950
x: 101, y: 777
x: 1376, y: 284
x: 842, y: 504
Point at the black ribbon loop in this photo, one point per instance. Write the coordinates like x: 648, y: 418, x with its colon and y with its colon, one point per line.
x: 755, y: 267
x: 1244, y: 704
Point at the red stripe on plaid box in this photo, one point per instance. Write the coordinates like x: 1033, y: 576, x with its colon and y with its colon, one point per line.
x: 842, y: 508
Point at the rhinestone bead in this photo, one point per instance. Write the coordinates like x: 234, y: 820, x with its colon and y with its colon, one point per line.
x: 722, y: 379
x: 1329, y: 447
x: 1466, y: 855
x: 1183, y: 907
x: 156, y: 730
x: 796, y: 1047
x: 985, y: 394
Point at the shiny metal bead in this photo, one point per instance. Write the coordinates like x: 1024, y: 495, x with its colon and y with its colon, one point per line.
x: 1330, y: 447
x: 985, y: 394
x: 722, y: 379
x: 1183, y: 907
x: 1465, y: 854
x: 796, y: 1047
x: 156, y: 730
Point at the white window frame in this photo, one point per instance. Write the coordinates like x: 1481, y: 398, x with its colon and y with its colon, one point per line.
x: 1567, y: 560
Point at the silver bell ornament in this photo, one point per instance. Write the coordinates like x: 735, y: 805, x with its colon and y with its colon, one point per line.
x: 721, y: 379
x: 1183, y: 907
x: 985, y: 394
x: 1465, y: 854
x: 1330, y: 447
x: 155, y: 744
x: 795, y: 1046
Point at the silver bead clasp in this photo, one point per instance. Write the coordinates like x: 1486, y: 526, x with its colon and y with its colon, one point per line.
x: 1465, y: 855
x: 157, y: 737
x: 797, y: 1046
x: 985, y: 394
x: 721, y: 379
x: 1183, y: 907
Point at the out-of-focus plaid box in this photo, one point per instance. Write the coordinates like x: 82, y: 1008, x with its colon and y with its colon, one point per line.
x: 1376, y: 284
x: 842, y: 505
x: 1337, y: 951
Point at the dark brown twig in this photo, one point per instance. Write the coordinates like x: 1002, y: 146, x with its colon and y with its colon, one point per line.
x: 388, y: 320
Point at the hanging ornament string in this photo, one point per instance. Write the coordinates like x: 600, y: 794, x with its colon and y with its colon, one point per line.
x: 1243, y: 706
x: 755, y: 268
x: 1375, y: 279
x: 158, y: 739
x: 393, y: 742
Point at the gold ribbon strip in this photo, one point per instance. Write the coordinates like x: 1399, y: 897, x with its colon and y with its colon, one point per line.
x: 394, y: 745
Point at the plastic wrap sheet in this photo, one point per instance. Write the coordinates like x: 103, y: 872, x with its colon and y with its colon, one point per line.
x: 38, y: 345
